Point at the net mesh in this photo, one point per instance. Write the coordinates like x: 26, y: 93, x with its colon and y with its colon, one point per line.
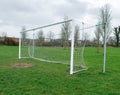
x: 53, y: 44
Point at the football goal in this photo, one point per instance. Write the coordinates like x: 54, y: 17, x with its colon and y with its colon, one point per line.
x: 59, y: 42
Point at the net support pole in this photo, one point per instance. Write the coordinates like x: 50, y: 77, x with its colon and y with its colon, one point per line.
x: 83, y: 31
x: 104, y: 61
x: 19, y: 55
x: 72, y: 52
x: 33, y: 46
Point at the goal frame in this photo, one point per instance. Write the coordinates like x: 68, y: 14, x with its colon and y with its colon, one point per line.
x: 72, y: 43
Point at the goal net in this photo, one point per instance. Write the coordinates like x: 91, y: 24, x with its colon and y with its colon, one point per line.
x: 59, y: 42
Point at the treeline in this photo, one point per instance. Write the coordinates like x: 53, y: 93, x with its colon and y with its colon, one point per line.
x: 9, y: 41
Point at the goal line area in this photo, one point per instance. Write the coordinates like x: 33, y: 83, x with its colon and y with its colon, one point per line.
x: 60, y: 42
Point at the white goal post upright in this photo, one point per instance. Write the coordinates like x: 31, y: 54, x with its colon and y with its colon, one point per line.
x: 19, y: 52
x: 33, y: 46
x: 72, y: 52
x: 104, y: 60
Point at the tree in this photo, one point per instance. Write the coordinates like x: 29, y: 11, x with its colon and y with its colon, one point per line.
x: 117, y: 35
x: 76, y: 36
x: 65, y: 33
x: 23, y: 35
x: 40, y: 37
x: 4, y: 37
x: 111, y: 41
x: 105, y: 19
x: 51, y: 36
x: 97, y: 38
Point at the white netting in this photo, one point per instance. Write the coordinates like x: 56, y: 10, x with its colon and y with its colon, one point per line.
x: 52, y: 43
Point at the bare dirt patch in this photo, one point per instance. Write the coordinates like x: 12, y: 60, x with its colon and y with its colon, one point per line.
x: 21, y: 65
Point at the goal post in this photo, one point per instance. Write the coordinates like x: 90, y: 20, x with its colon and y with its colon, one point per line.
x: 55, y: 43
x: 72, y: 53
x: 19, y: 52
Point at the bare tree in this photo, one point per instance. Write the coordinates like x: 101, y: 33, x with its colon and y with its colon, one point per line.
x: 76, y: 36
x: 4, y: 38
x: 65, y: 33
x: 4, y: 35
x: 111, y: 41
x: 23, y: 35
x: 51, y: 36
x: 40, y: 37
x: 97, y: 38
x: 105, y: 19
x: 117, y: 35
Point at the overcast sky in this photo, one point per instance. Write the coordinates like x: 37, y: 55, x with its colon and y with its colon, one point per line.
x: 33, y: 13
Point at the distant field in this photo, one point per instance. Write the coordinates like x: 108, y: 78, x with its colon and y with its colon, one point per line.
x: 53, y: 79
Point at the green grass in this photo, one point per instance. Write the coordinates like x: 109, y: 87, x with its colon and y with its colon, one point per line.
x: 54, y: 79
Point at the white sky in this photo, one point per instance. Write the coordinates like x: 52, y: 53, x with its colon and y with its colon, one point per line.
x: 32, y: 13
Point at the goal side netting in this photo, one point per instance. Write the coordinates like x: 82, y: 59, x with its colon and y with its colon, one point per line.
x: 60, y: 42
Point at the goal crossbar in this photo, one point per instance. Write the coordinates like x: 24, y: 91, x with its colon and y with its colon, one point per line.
x: 48, y: 25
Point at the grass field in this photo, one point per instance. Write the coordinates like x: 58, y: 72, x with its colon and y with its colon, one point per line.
x: 54, y: 79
